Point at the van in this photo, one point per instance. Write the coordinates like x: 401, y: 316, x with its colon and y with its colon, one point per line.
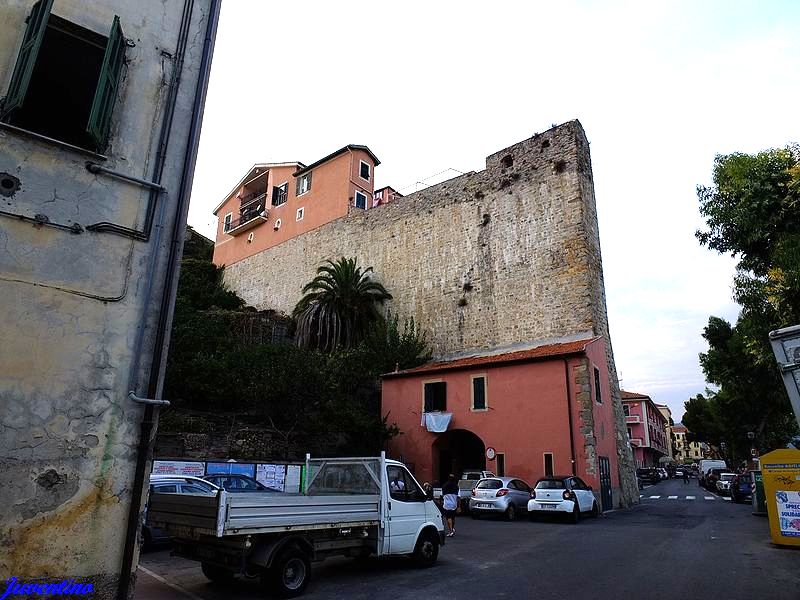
x: 706, y: 465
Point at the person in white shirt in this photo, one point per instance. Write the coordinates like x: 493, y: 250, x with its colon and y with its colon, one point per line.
x: 450, y: 501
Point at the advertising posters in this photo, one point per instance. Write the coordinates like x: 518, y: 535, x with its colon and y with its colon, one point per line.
x: 788, y: 512
x: 178, y: 467
x: 272, y: 476
x: 293, y: 479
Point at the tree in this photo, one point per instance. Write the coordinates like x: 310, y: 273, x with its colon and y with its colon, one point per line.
x: 338, y: 306
x: 392, y: 349
x: 752, y: 212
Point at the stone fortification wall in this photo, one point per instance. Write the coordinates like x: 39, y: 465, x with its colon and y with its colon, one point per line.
x: 488, y: 259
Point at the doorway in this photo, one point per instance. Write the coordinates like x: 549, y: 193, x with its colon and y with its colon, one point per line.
x: 455, y: 451
x: 606, y: 499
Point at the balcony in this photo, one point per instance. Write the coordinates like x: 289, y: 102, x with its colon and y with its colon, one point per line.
x: 250, y: 199
x: 248, y: 220
x: 638, y: 442
x: 633, y: 419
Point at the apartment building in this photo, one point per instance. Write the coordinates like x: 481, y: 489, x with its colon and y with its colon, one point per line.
x: 646, y: 428
x: 685, y: 450
x: 275, y: 202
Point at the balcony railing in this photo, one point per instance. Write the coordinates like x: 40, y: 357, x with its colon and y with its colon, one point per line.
x: 248, y: 220
x: 633, y: 419
x: 251, y: 198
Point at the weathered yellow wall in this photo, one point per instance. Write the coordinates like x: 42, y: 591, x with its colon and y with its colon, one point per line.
x: 72, y: 304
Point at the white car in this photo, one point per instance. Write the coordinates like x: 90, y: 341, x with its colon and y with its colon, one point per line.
x: 562, y: 495
x: 724, y: 483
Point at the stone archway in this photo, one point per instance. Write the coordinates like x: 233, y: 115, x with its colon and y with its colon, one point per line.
x: 457, y: 450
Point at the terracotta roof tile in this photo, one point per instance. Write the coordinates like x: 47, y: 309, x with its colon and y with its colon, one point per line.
x: 632, y: 395
x: 538, y: 353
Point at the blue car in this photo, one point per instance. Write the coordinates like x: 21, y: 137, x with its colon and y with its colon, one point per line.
x: 741, y: 490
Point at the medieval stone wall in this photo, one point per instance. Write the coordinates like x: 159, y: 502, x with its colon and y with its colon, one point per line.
x: 508, y: 255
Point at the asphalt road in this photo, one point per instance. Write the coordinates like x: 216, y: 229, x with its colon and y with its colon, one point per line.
x: 669, y: 547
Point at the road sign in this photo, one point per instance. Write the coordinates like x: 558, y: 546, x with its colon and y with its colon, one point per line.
x: 490, y: 453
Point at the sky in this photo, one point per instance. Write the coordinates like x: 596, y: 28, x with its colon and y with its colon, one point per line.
x: 433, y: 88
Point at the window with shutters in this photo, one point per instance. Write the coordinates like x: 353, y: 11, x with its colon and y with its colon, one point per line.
x: 363, y: 170
x: 65, y: 80
x: 280, y: 193
x: 360, y: 200
x: 435, y: 393
x: 479, y: 392
x: 303, y: 184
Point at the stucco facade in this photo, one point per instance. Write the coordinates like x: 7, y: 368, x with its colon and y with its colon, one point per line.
x: 543, y: 412
x: 647, y: 429
x: 86, y: 272
x: 508, y: 255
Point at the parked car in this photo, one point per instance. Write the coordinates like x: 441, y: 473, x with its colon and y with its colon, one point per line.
x: 562, y: 495
x: 705, y: 466
x: 711, y: 478
x: 663, y: 473
x: 648, y: 475
x: 679, y: 473
x: 741, y: 489
x: 177, y: 485
x: 238, y: 483
x: 506, y: 496
x: 198, y: 481
x: 469, y: 479
x: 724, y: 483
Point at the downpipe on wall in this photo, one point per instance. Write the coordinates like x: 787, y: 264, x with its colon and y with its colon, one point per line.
x: 170, y: 280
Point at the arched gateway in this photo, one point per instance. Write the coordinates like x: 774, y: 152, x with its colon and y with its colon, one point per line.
x: 457, y: 450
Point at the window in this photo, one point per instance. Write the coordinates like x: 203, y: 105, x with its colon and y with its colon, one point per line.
x: 65, y: 80
x: 364, y: 170
x: 402, y: 486
x: 192, y: 489
x: 435, y: 396
x: 303, y: 184
x: 551, y: 484
x: 501, y: 464
x: 300, y: 213
x: 227, y: 223
x: 548, y: 464
x: 489, y: 484
x: 280, y: 193
x: 166, y: 489
x: 578, y: 484
x: 361, y: 200
x: 278, y: 224
x: 630, y: 433
x: 627, y: 410
x: 479, y: 392
x: 598, y: 397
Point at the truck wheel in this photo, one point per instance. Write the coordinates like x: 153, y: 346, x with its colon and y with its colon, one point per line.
x: 427, y: 550
x: 217, y: 574
x: 289, y: 574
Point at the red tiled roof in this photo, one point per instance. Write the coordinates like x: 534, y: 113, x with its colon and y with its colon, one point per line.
x: 632, y: 395
x: 538, y: 353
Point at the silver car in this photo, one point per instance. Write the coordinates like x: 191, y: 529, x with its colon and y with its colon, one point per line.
x: 507, y: 496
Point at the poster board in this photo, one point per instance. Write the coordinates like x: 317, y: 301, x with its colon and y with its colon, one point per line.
x: 230, y: 468
x: 178, y: 467
x: 271, y: 475
x: 292, y: 484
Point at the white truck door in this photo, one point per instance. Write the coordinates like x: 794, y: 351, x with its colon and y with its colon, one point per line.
x: 406, y: 510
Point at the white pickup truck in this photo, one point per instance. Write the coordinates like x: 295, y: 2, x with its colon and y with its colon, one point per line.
x: 351, y: 506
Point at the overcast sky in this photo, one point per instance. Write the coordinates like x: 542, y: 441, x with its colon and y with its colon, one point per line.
x: 660, y: 89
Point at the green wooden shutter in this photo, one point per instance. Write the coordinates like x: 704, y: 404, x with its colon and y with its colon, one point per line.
x: 26, y: 59
x: 428, y: 397
x: 308, y: 187
x: 107, y: 86
x: 297, y: 186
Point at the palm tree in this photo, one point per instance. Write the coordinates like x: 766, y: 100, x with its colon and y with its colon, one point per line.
x: 338, y: 306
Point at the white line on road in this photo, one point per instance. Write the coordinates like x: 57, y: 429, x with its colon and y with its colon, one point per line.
x: 672, y: 498
x: 708, y: 497
x: 174, y: 586
x: 655, y: 497
x: 690, y: 497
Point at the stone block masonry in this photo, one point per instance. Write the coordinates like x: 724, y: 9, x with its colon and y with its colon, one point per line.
x: 508, y: 255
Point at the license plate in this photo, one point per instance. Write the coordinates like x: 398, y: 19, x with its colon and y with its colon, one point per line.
x: 548, y: 506
x: 484, y: 505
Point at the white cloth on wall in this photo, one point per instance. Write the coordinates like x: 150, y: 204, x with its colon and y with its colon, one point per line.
x: 437, y: 422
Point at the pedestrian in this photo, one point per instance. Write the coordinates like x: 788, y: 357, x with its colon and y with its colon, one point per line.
x: 685, y: 476
x: 428, y: 489
x: 450, y: 497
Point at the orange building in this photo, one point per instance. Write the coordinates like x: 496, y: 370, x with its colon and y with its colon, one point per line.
x: 275, y: 202
x: 528, y: 413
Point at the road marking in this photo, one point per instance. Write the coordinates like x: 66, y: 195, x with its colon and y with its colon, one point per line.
x: 174, y: 586
x: 708, y: 497
x: 672, y: 498
x: 655, y: 497
x: 690, y: 497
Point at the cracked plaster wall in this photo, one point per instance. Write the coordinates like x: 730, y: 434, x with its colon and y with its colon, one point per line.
x: 73, y: 303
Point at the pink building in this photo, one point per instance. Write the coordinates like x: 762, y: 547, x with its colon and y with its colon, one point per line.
x: 647, y: 429
x: 543, y: 411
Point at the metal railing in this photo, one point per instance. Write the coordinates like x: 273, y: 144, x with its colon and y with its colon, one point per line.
x: 245, y: 218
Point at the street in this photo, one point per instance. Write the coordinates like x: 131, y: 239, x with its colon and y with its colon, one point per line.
x: 680, y: 542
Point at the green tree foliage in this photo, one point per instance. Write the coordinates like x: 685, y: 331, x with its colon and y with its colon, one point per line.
x: 751, y: 212
x: 310, y: 398
x: 339, y: 306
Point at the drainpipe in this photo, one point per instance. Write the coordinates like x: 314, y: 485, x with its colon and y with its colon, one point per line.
x: 569, y: 415
x: 144, y: 448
